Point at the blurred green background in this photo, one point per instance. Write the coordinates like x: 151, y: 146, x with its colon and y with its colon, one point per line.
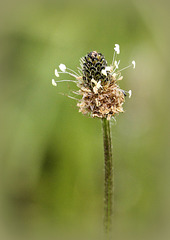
x: 51, y: 156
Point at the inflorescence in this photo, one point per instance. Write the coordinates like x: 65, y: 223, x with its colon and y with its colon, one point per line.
x: 100, y: 93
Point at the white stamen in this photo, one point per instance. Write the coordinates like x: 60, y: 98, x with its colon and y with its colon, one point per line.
x: 77, y: 93
x: 79, y: 72
x: 117, y: 48
x: 73, y: 72
x: 113, y: 58
x: 114, y: 119
x: 54, y: 83
x: 72, y: 98
x: 69, y: 96
x: 133, y: 64
x: 79, y: 69
x: 104, y: 72
x: 117, y: 64
x: 62, y: 67
x: 73, y: 75
x: 56, y: 73
x: 65, y: 81
x: 94, y: 81
x: 108, y: 68
x: 125, y: 68
x: 98, y: 85
x: 95, y: 90
x: 130, y: 93
x: 114, y: 75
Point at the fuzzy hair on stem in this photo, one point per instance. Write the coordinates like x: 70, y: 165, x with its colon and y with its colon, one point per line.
x: 108, y: 169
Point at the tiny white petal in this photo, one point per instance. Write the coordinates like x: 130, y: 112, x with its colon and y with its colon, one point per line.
x: 116, y: 64
x: 98, y: 85
x: 114, y: 75
x: 95, y: 90
x: 104, y: 72
x: 94, y: 81
x: 134, y: 64
x: 130, y: 93
x: 62, y: 67
x: 108, y: 69
x: 117, y: 48
x: 54, y: 83
x: 56, y: 73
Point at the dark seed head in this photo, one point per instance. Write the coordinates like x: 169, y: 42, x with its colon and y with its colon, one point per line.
x: 93, y: 64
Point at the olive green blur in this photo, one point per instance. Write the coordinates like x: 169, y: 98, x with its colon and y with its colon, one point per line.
x: 51, y: 156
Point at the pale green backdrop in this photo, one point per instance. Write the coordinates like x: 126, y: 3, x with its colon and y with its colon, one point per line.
x: 51, y: 156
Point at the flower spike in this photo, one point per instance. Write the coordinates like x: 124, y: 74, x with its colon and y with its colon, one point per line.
x: 98, y: 86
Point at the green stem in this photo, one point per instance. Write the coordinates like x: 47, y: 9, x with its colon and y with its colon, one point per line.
x: 108, y: 175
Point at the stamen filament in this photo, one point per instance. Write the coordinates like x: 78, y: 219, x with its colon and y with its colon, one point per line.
x: 73, y: 72
x: 75, y: 93
x: 69, y: 96
x: 80, y: 70
x: 113, y: 58
x: 73, y: 75
x: 73, y: 98
x: 126, y: 67
x: 66, y: 81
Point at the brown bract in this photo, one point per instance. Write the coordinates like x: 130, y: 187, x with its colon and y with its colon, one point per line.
x: 104, y: 103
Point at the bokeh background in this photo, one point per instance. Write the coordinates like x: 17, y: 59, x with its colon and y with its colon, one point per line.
x: 51, y: 156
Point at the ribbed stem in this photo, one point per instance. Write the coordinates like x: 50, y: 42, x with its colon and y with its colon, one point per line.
x: 108, y: 163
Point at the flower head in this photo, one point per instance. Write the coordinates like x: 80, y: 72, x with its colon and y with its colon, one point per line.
x: 98, y: 86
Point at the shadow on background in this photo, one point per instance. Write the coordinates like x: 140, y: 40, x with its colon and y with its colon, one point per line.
x: 51, y: 157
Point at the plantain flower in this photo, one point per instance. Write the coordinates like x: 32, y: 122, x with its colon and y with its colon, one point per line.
x: 99, y: 91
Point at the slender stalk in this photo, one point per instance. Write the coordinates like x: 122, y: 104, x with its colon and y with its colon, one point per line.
x: 108, y: 164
